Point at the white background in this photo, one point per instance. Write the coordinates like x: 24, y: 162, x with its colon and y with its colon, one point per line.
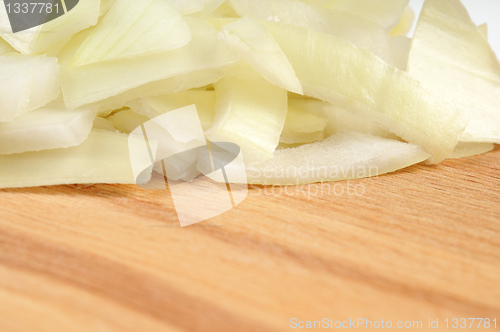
x: 481, y: 11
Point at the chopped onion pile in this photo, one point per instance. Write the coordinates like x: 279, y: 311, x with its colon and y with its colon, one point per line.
x: 309, y: 90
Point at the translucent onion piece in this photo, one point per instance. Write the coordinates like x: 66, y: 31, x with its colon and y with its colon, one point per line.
x: 183, y: 124
x: 302, y: 126
x: 171, y: 131
x: 37, y: 39
x: 69, y: 50
x: 467, y: 149
x: 156, y: 106
x: 134, y: 28
x: 190, y: 80
x: 45, y: 129
x: 250, y: 113
x: 98, y: 81
x: 27, y: 83
x: 357, y: 30
x: 256, y: 45
x: 102, y: 158
x: 469, y: 77
x: 344, y: 156
x: 359, y: 82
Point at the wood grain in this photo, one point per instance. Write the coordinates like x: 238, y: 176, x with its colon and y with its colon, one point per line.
x: 417, y: 244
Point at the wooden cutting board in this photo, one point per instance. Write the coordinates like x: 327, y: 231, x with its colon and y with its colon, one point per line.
x: 419, y: 244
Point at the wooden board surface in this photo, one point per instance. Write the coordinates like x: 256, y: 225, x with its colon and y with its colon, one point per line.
x: 416, y: 244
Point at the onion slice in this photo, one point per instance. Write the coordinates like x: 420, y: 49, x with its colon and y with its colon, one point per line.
x: 256, y: 45
x: 353, y: 79
x: 338, y: 119
x: 343, y: 156
x: 249, y: 112
x: 469, y: 77
x: 28, y: 83
x: 156, y: 106
x: 302, y: 126
x: 467, y: 149
x: 98, y: 81
x: 103, y: 158
x: 134, y: 28
x: 45, y: 129
x: 346, y: 25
